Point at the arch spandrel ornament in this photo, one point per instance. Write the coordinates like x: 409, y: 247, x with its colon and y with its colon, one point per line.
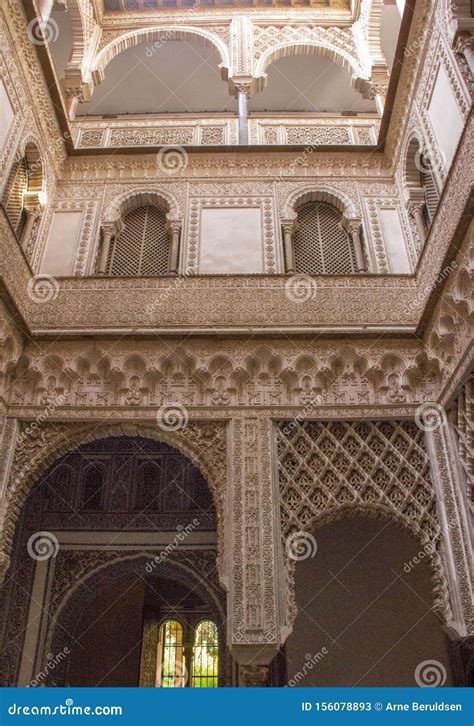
x: 204, y: 443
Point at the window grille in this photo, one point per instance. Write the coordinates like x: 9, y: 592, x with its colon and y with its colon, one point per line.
x: 204, y: 672
x: 322, y: 246
x: 429, y: 185
x: 188, y: 656
x: 143, y: 245
x: 13, y: 196
x: 171, y: 669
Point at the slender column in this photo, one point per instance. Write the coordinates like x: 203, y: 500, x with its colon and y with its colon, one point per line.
x: 288, y: 231
x: 379, y: 87
x: 175, y: 228
x: 242, y: 100
x: 415, y: 211
x: 354, y: 229
x: 33, y: 208
x: 107, y: 235
x: 31, y: 217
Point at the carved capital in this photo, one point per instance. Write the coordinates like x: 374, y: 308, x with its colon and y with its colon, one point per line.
x: 242, y: 84
x: 175, y: 226
x: 289, y: 226
x: 33, y: 203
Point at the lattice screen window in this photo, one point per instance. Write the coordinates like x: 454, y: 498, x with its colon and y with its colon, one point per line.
x: 143, y: 245
x: 321, y: 245
x: 12, y: 200
x: 430, y: 187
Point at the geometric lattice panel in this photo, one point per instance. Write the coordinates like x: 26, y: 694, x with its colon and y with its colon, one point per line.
x: 321, y: 245
x: 428, y: 183
x: 143, y: 246
x: 12, y: 200
x: 380, y: 465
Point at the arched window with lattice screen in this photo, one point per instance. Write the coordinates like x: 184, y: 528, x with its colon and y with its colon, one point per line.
x: 143, y: 245
x: 428, y: 182
x: 13, y: 197
x: 321, y: 245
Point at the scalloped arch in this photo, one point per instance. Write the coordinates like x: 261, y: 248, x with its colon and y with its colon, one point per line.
x: 326, y: 50
x: 440, y: 591
x: 320, y: 193
x: 158, y: 35
x: 128, y: 200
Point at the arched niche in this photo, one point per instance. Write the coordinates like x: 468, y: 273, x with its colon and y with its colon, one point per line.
x: 364, y: 608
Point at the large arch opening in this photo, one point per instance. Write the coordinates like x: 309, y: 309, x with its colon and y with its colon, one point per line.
x: 301, y: 82
x: 348, y: 630
x: 172, y: 74
x: 118, y: 526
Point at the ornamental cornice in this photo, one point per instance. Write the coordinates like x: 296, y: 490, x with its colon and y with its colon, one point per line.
x: 220, y: 375
x: 275, y: 15
x: 365, y: 165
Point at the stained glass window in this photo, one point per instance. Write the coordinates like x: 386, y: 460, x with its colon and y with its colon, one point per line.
x: 204, y: 670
